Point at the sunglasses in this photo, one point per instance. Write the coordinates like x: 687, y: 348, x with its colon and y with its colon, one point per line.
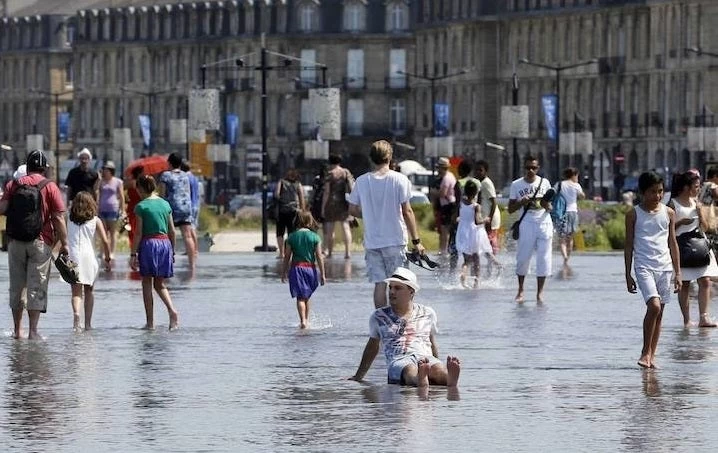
x: 533, y: 167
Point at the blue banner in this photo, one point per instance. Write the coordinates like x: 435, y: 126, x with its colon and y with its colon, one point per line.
x: 145, y: 127
x: 232, y: 126
x: 549, y: 103
x: 441, y: 115
x: 63, y: 126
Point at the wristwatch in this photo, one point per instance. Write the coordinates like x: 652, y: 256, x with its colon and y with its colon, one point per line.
x: 416, y: 241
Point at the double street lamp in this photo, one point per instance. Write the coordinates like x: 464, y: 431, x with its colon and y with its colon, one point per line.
x: 558, y: 70
x: 56, y: 101
x: 699, y: 51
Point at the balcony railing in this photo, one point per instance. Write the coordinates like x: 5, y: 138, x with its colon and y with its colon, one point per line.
x: 354, y: 83
x: 396, y: 82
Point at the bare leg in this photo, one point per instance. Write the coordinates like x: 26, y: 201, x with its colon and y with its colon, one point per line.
x: 684, y: 303
x: 280, y: 246
x: 475, y: 269
x: 656, y: 335
x: 347, y: 239
x: 111, y: 227
x: 328, y: 238
x: 704, y: 298
x: 520, y: 293
x: 164, y: 294
x: 653, y: 312
x: 76, y: 299
x: 424, y: 369
x: 453, y: 368
x: 149, y: 302
x: 190, y: 245
x: 540, y: 282
x: 464, y: 270
x: 569, y: 246
x: 302, y: 311
x: 564, y: 249
x: 89, y: 306
x: 34, y: 316
x: 379, y: 295
x: 410, y: 375
x: 193, y: 230
x: 17, y: 321
x: 443, y: 239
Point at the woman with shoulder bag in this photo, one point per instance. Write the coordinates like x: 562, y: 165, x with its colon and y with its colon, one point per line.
x: 688, y: 222
x: 335, y: 208
x: 289, y: 200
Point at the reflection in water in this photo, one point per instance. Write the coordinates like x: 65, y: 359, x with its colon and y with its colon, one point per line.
x: 154, y: 396
x: 566, y: 272
x: 30, y: 399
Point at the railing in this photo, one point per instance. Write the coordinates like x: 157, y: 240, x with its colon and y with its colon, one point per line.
x: 396, y: 82
x: 354, y: 83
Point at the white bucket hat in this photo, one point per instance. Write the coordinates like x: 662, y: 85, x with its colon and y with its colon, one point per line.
x: 84, y: 151
x: 404, y: 276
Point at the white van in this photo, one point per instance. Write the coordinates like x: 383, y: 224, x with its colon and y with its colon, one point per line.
x: 419, y: 176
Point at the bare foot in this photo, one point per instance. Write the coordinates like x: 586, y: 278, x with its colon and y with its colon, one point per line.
x: 33, y: 335
x: 88, y: 327
x: 174, y: 320
x: 17, y: 335
x: 303, y: 325
x: 520, y: 297
x: 347, y: 257
x: 706, y: 321
x: 453, y: 368
x: 148, y: 327
x: 644, y: 361
x: 539, y: 298
x: 76, y: 323
x: 423, y: 374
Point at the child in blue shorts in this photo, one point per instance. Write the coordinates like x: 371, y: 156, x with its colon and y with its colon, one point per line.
x: 302, y: 254
x: 651, y: 246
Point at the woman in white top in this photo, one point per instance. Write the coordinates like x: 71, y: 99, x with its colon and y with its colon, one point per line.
x: 683, y: 201
x: 81, y: 230
x: 571, y: 191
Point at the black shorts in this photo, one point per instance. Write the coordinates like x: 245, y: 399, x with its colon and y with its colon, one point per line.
x: 447, y: 213
x: 285, y: 222
x: 182, y: 223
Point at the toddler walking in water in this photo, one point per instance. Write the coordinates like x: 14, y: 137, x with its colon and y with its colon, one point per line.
x: 651, y: 246
x: 471, y: 237
x: 84, y: 225
x: 302, y: 254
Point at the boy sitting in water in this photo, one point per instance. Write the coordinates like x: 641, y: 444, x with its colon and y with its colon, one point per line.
x: 405, y: 330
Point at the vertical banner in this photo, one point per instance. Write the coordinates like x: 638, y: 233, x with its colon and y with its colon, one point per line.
x: 441, y: 115
x: 325, y: 106
x: 146, y: 131
x: 549, y: 102
x: 63, y: 125
x: 231, y: 127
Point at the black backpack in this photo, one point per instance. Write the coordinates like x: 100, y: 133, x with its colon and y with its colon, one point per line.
x: 288, y: 198
x: 24, y: 213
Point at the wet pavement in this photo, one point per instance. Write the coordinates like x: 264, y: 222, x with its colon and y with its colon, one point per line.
x: 240, y: 376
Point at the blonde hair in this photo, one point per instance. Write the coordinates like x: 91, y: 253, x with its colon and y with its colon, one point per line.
x: 380, y: 152
x: 305, y: 219
x: 83, y: 208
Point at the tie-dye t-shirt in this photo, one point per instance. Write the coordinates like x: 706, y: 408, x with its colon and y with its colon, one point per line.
x: 403, y: 336
x: 177, y: 193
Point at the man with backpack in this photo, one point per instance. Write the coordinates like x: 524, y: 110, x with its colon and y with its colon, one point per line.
x: 35, y: 222
x: 565, y: 210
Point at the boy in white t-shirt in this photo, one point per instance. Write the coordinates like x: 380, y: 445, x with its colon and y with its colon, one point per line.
x: 571, y: 191
x: 381, y: 198
x: 536, y: 228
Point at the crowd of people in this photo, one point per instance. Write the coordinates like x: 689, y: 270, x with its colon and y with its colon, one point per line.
x: 40, y: 227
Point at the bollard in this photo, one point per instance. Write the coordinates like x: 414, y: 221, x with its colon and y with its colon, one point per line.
x: 578, y: 241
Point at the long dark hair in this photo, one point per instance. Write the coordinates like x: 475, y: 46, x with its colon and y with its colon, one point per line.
x: 682, y: 181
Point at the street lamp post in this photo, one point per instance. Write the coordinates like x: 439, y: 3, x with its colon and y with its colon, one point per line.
x: 558, y: 70
x: 150, y: 95
x: 432, y: 86
x: 56, y: 101
x: 515, y: 146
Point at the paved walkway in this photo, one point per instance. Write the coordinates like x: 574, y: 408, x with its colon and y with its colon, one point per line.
x: 240, y: 241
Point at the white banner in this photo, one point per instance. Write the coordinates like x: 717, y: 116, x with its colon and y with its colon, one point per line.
x: 254, y: 161
x: 178, y: 131
x: 695, y: 139
x: 439, y: 146
x: 514, y: 121
x: 33, y: 142
x: 710, y: 139
x: 204, y: 109
x: 567, y: 145
x: 316, y: 150
x: 218, y: 153
x: 584, y: 143
x: 325, y: 105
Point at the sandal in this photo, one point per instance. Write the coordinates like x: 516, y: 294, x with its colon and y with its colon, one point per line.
x: 421, y: 260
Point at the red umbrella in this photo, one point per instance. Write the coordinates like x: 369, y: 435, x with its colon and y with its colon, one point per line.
x: 151, y: 165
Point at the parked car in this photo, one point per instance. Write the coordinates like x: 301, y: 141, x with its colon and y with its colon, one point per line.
x: 418, y: 198
x: 245, y: 204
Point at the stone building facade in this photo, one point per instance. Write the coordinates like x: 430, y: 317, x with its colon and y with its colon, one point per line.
x: 638, y: 99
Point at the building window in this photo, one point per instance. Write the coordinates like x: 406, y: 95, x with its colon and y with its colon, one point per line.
x: 308, y: 73
x: 398, y: 116
x: 355, y: 68
x: 354, y: 17
x: 69, y: 35
x: 355, y: 117
x: 307, y: 17
x: 305, y: 118
x: 397, y: 17
x: 397, y: 66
